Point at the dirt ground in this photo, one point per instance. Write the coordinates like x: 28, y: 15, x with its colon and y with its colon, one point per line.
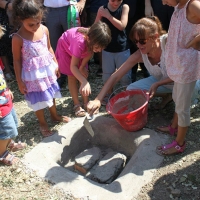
x: 178, y: 177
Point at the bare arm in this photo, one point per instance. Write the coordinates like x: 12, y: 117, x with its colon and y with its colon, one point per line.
x: 3, y: 4
x: 114, y: 78
x: 148, y: 8
x: 85, y: 89
x: 194, y: 17
x: 154, y: 86
x: 17, y: 60
x: 82, y: 68
x: 119, y: 24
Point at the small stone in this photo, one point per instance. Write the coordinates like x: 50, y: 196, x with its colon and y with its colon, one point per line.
x: 176, y: 193
x: 182, y: 179
x: 169, y: 189
x: 194, y: 188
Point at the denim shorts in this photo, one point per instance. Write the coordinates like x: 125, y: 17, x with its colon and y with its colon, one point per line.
x: 8, y: 126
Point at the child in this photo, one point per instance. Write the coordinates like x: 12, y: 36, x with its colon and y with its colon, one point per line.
x: 74, y: 49
x: 8, y: 123
x: 182, y: 62
x: 35, y: 63
x: 115, y: 14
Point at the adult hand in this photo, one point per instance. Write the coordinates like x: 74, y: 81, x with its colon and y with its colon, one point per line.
x: 84, y: 72
x: 22, y: 87
x: 148, y: 11
x: 153, y: 89
x: 93, y: 106
x: 80, y: 6
x: 194, y: 43
x: 85, y: 89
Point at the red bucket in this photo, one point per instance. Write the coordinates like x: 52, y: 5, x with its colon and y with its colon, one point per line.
x: 129, y: 108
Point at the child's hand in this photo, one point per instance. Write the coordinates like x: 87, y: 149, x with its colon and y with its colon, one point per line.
x: 195, y: 43
x: 93, y: 106
x: 57, y: 72
x: 104, y: 12
x: 22, y: 87
x: 1, y: 115
x: 153, y: 89
x: 85, y: 89
x: 84, y: 72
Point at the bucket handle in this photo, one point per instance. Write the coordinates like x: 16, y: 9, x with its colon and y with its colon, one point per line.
x: 145, y: 95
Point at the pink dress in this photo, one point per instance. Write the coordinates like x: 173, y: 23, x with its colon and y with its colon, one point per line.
x: 38, y: 73
x: 183, y: 65
x: 71, y: 43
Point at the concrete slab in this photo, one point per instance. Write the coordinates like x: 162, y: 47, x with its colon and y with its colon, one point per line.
x: 52, y: 156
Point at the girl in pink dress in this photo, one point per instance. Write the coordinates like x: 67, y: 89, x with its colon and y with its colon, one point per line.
x: 74, y: 49
x: 183, y: 66
x: 35, y: 63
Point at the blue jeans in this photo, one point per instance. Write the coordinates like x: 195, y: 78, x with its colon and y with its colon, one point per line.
x: 8, y: 126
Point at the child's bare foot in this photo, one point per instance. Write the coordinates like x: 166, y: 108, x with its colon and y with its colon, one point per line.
x: 45, y: 131
x: 16, y: 146
x: 64, y: 119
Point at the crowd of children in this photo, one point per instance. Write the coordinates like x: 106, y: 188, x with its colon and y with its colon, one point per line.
x: 37, y: 68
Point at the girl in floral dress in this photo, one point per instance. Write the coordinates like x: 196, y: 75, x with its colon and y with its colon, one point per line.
x: 35, y: 63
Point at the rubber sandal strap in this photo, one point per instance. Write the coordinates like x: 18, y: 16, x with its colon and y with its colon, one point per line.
x: 172, y: 131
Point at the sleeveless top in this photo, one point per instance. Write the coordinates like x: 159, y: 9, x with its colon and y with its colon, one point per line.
x: 38, y: 66
x: 182, y: 63
x: 158, y: 71
x: 119, y: 41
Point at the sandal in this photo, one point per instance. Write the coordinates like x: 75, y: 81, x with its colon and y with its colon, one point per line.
x: 16, y: 146
x: 168, y: 129
x: 163, y: 150
x: 8, y: 159
x: 79, y: 111
x: 46, y: 132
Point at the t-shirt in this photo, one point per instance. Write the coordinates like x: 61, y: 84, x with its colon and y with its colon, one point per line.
x: 5, y: 99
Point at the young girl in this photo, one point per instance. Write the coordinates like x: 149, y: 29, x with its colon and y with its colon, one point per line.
x: 182, y: 61
x: 74, y: 49
x: 115, y: 14
x: 8, y: 123
x: 35, y: 63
